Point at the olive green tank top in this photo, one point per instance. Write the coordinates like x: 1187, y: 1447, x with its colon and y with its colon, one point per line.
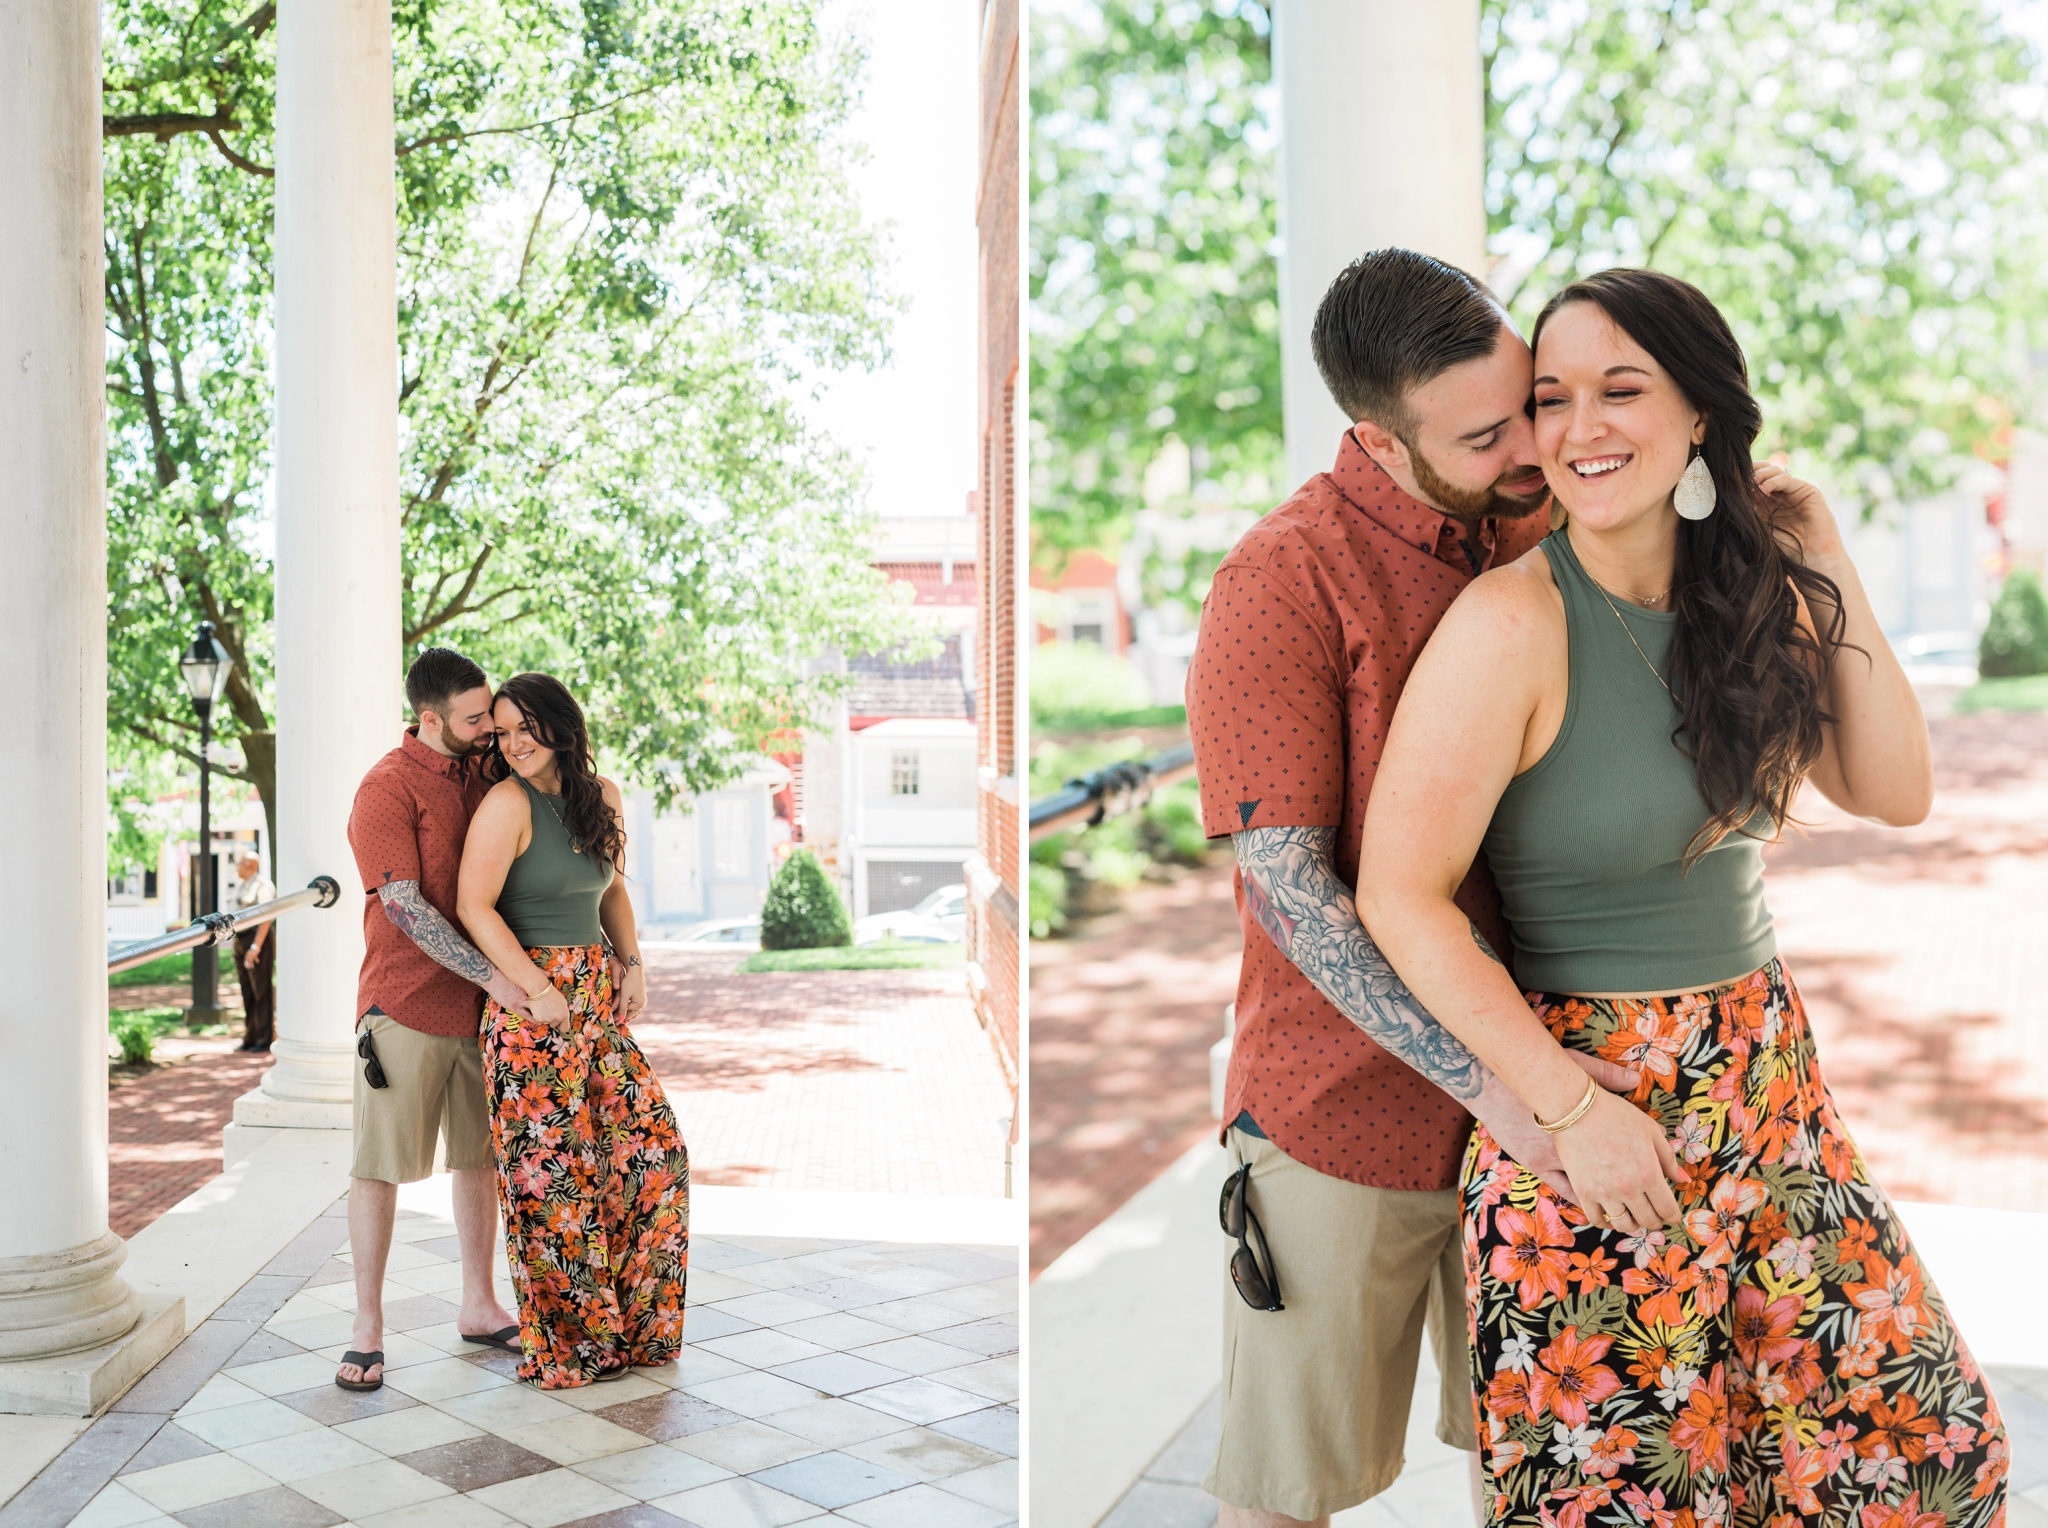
x: 1586, y: 846
x: 551, y: 892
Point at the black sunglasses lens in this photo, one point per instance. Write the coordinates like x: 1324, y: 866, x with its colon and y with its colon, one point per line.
x: 1250, y: 1282
x: 1231, y: 1210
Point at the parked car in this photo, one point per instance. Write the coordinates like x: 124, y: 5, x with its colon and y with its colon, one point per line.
x: 941, y: 918
x: 735, y: 933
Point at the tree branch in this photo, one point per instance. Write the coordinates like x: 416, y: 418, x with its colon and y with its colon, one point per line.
x: 459, y: 605
x: 166, y: 125
x: 527, y: 127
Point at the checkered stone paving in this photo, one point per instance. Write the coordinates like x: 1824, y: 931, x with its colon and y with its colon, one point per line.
x: 824, y: 1382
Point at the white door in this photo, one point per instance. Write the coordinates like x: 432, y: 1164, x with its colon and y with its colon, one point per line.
x: 677, y: 889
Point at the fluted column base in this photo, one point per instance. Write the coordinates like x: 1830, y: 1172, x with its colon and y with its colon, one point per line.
x: 309, y: 1087
x: 73, y: 1335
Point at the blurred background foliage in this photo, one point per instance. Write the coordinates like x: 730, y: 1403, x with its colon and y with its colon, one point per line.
x: 1860, y: 184
x: 628, y: 248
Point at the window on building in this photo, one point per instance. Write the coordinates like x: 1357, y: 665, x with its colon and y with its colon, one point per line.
x: 1090, y: 631
x: 903, y: 774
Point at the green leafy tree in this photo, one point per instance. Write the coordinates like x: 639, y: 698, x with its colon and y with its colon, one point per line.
x: 803, y: 911
x: 1858, y: 183
x: 1155, y: 309
x: 626, y: 241
x: 2015, y: 641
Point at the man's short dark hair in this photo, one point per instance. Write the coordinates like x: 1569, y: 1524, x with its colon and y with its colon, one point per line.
x: 1392, y: 320
x: 437, y: 676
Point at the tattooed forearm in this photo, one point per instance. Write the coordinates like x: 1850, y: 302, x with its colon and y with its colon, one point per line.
x: 1480, y: 939
x: 436, y: 937
x: 1298, y: 900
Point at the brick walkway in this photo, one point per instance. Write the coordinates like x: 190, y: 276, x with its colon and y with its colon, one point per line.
x: 875, y: 1081
x: 1122, y: 1018
x: 1919, y: 954
x: 879, y: 1081
x: 1916, y: 951
x: 163, y: 1133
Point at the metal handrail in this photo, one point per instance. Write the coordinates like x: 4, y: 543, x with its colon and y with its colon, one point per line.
x: 219, y: 928
x: 1110, y: 791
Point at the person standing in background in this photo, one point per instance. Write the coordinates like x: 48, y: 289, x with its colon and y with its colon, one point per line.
x: 256, y: 957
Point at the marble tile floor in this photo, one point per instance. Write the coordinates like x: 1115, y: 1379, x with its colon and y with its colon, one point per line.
x: 824, y: 1382
x: 1433, y: 1491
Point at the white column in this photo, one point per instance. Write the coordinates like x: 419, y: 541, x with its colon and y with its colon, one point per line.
x: 1381, y: 142
x: 60, y: 1290
x: 338, y: 662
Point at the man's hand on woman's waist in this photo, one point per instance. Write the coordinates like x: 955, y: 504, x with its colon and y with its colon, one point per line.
x: 1293, y: 891
x: 441, y: 942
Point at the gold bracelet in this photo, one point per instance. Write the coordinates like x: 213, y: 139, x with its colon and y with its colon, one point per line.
x: 1577, y: 1114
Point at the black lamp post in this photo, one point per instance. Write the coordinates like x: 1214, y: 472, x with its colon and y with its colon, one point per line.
x: 205, y: 666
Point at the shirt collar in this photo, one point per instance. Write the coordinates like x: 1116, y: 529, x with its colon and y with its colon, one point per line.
x: 1367, y: 486
x: 431, y: 759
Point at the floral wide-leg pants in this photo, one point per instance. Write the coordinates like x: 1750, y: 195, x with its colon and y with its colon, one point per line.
x: 594, y: 1181
x: 1778, y: 1359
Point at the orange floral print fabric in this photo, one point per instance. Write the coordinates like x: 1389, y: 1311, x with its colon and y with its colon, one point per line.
x: 594, y: 1181
x: 1777, y: 1358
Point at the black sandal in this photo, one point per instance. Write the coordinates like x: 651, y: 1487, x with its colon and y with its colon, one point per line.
x: 506, y: 1337
x: 365, y: 1362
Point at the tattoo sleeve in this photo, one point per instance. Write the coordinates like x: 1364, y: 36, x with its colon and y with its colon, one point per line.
x: 1295, y: 895
x: 415, y: 917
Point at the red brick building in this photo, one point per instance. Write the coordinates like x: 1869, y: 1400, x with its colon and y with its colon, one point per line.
x: 1081, y: 604
x: 993, y: 875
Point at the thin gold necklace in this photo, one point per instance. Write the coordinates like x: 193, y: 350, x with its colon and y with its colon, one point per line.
x: 1632, y: 642
x: 574, y: 847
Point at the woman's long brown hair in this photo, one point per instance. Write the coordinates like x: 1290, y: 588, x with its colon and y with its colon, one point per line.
x: 556, y: 722
x: 1748, y: 677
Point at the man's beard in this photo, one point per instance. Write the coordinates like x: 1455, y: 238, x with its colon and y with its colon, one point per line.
x: 466, y: 748
x: 1473, y: 504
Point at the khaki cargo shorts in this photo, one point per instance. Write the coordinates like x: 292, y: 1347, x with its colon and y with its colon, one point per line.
x: 436, y: 1087
x: 1316, y: 1396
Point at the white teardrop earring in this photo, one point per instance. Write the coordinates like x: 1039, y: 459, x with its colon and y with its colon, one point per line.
x: 1694, y: 498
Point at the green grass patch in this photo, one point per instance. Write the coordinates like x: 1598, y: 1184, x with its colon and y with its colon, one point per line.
x: 890, y: 955
x: 172, y: 968
x: 1098, y: 721
x: 2028, y: 692
x: 138, y: 1030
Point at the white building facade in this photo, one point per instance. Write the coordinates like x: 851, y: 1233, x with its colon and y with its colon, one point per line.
x: 709, y: 855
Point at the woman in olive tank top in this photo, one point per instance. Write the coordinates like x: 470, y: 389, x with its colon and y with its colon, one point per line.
x: 1729, y: 1325
x: 592, y: 1172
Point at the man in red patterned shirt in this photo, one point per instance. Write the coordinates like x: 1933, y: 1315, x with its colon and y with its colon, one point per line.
x: 1349, y: 1106
x: 418, y: 1005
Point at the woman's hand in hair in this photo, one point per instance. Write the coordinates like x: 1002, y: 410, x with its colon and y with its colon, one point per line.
x: 1799, y: 511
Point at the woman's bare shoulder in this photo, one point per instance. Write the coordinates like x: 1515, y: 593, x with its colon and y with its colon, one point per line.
x: 1502, y: 605
x: 503, y: 803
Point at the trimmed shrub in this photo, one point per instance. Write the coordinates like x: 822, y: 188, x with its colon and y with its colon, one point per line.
x: 2015, y: 642
x: 1079, y: 679
x: 803, y: 911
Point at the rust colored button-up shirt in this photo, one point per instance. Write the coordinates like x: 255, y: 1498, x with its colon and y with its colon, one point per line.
x: 1310, y: 630
x: 410, y: 818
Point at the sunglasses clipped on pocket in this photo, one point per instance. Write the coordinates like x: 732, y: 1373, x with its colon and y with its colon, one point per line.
x: 373, y: 1069
x: 1251, y: 1265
